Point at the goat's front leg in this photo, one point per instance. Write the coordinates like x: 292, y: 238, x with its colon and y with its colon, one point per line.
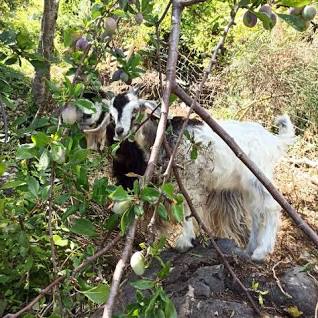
x: 184, y: 242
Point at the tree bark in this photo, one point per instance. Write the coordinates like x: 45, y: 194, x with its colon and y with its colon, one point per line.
x: 45, y: 49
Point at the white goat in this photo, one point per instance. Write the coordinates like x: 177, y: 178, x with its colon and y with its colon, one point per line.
x: 228, y: 197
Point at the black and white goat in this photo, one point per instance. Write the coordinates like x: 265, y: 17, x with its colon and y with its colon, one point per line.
x: 99, y: 131
x: 228, y: 197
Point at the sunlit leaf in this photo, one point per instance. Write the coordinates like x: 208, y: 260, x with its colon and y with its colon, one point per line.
x: 98, y: 294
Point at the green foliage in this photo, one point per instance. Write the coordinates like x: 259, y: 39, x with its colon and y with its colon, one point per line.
x: 52, y: 169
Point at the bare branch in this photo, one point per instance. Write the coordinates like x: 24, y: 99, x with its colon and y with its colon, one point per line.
x: 187, y: 3
x: 164, y: 13
x: 278, y: 281
x: 60, y: 279
x: 108, y: 309
x: 5, y: 121
x: 207, y: 72
x: 249, y: 164
x: 204, y: 227
x: 171, y: 75
x: 53, y: 251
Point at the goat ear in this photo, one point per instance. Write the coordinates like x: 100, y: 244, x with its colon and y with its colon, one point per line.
x: 102, y: 126
x: 133, y: 90
x: 151, y: 107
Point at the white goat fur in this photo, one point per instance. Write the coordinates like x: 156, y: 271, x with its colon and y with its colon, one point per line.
x: 228, y: 197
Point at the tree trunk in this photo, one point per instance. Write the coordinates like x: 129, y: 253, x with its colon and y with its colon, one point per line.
x: 46, y: 45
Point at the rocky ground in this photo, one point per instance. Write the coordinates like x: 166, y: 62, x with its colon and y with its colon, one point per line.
x: 200, y: 286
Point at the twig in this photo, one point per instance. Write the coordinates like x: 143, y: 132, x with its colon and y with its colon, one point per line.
x: 316, y: 310
x: 190, y: 2
x: 5, y: 121
x: 207, y: 72
x: 108, y: 309
x: 158, y: 44
x: 198, y: 219
x: 53, y: 251
x: 278, y: 281
x: 249, y: 164
x: 246, y: 108
x: 60, y: 279
x: 303, y: 161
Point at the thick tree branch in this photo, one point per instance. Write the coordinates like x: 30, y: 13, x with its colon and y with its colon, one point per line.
x: 249, y: 164
x: 60, y: 279
x: 207, y: 72
x: 205, y: 228
x: 108, y: 309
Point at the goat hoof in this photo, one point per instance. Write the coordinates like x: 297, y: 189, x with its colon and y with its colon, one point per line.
x: 258, y: 256
x: 184, y: 243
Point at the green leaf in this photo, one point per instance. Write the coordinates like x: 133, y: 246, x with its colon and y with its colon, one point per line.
x: 78, y: 89
x: 136, y: 187
x: 2, y: 205
x: 33, y: 186
x: 68, y: 37
x: 112, y: 222
x: 2, y: 168
x: 294, y: 21
x: 194, y: 153
x: 294, y: 311
x: 85, y: 105
x: 98, y: 294
x: 83, y: 227
x: 58, y: 153
x: 119, y: 194
x: 11, y: 60
x: 138, y: 210
x: 126, y: 220
x: 143, y: 284
x: 177, y: 212
x: 168, y: 190
x: 40, y: 139
x: 78, y: 156
x: 149, y: 194
x: 170, y: 309
x: 294, y: 3
x: 266, y: 20
x: 99, y: 191
x: 82, y: 178
x: 13, y: 184
x: 25, y: 151
x: 44, y: 161
x: 69, y: 211
x: 162, y: 212
x: 59, y: 241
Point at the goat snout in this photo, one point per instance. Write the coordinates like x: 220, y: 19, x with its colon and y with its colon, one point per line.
x: 119, y: 131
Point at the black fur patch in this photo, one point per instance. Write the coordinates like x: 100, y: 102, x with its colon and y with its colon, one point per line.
x: 129, y: 158
x: 120, y: 102
x: 178, y: 121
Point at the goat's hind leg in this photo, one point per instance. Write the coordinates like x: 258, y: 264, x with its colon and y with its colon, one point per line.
x: 265, y: 223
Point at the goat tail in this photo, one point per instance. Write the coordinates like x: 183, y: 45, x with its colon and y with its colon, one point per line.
x: 227, y: 215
